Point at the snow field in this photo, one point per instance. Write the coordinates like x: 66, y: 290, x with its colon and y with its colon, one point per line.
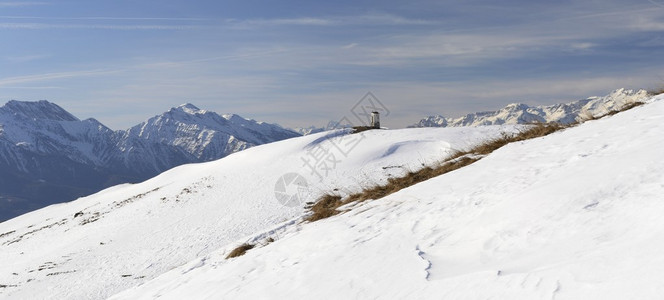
x: 573, y: 215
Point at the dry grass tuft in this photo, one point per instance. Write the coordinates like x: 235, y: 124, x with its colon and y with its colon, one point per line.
x: 240, y: 250
x: 358, y: 129
x: 325, y: 207
x: 627, y: 106
x: 656, y: 91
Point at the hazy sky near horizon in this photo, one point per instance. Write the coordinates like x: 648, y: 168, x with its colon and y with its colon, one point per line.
x: 301, y: 63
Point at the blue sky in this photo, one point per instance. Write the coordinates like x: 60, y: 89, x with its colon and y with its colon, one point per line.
x: 300, y: 63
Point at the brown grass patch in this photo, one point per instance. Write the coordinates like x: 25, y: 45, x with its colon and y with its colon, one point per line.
x: 328, y: 205
x: 358, y: 129
x: 240, y: 250
x: 325, y: 207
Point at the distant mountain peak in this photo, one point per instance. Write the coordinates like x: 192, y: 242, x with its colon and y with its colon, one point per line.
x: 188, y: 107
x: 242, y: 121
x: 42, y: 110
x: 516, y: 106
x: 232, y: 117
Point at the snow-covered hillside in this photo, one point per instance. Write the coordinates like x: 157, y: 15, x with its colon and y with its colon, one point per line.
x: 126, y: 235
x: 48, y: 156
x: 519, y: 113
x: 573, y: 215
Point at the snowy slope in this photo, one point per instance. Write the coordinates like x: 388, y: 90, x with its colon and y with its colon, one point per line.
x: 519, y: 113
x: 573, y: 215
x: 102, y: 244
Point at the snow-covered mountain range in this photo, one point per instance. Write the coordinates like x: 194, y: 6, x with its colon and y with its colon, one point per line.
x: 331, y: 125
x: 519, y: 113
x: 575, y: 214
x: 47, y: 155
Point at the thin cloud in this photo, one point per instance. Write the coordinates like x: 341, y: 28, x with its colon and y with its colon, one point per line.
x: 32, y: 87
x: 644, y: 23
x: 453, y: 49
x: 25, y: 58
x: 103, y: 18
x: 298, y: 21
x: 40, y: 26
x: 246, y: 54
x: 369, y: 19
x: 658, y: 3
x: 12, y: 81
x: 19, y: 4
x: 388, y: 19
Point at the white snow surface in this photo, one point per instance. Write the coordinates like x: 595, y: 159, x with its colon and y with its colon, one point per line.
x: 99, y: 245
x: 573, y: 215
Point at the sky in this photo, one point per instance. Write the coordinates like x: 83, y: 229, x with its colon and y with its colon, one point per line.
x: 302, y: 63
